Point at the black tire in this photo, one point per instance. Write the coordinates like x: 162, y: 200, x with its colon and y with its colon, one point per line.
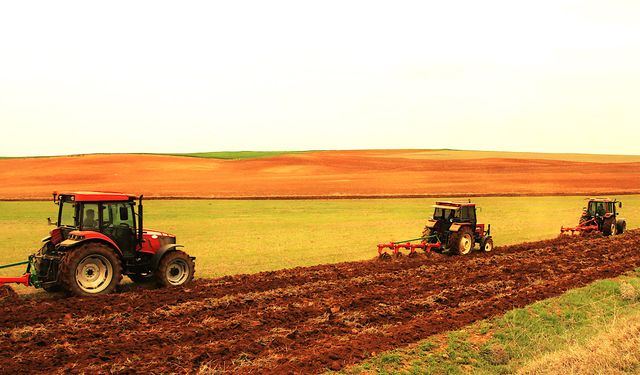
x: 141, y: 278
x: 622, y: 226
x: 90, y: 269
x: 487, y: 244
x: 462, y: 242
x: 176, y: 268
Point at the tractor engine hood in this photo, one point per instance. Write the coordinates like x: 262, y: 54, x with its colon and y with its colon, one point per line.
x: 154, y: 240
x: 150, y: 233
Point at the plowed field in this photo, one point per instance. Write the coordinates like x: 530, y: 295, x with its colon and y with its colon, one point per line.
x: 300, y: 320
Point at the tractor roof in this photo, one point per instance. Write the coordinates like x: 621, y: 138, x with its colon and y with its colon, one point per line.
x: 95, y: 196
x: 449, y: 205
x: 600, y: 200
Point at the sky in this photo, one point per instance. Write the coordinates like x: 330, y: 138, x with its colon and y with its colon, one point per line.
x: 186, y: 76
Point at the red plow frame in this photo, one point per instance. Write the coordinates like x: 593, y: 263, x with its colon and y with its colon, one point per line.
x: 585, y: 227
x: 27, y: 279
x: 395, y: 247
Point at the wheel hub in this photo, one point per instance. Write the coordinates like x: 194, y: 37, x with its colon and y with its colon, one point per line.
x: 94, y: 273
x: 177, y: 272
x: 465, y: 243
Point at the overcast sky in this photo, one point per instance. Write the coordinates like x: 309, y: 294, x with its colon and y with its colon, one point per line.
x: 181, y: 76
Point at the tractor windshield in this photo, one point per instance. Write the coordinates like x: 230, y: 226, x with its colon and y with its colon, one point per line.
x: 67, y: 214
x: 597, y: 208
x: 445, y: 213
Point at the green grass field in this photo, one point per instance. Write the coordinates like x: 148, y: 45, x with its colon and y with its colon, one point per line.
x: 230, y: 237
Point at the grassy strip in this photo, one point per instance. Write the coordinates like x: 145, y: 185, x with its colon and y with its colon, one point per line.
x: 236, y: 155
x: 594, y: 329
x: 226, y: 155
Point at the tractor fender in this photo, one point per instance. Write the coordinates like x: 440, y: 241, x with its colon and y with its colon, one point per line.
x: 77, y: 237
x: 431, y: 223
x: 455, y: 227
x: 155, y: 261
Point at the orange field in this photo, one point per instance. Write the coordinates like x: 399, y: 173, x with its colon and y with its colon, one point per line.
x: 325, y: 174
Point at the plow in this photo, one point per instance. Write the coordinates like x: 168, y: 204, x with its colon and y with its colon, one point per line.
x: 587, y: 226
x: 27, y: 279
x: 395, y: 247
x: 453, y: 228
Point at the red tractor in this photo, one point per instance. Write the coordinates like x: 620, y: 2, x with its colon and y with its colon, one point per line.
x: 600, y: 215
x: 98, y: 238
x: 453, y: 227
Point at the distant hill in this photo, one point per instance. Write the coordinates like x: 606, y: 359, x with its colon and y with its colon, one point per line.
x: 359, y: 173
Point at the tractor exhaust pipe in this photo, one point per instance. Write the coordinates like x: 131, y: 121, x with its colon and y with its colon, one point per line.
x: 140, y: 218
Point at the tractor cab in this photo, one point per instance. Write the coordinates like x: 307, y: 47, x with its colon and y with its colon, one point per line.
x: 455, y: 212
x: 447, y: 213
x: 89, y: 214
x: 601, y: 207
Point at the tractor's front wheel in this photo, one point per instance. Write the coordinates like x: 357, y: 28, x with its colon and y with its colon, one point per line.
x: 176, y: 268
x: 90, y: 269
x: 487, y: 244
x: 462, y: 242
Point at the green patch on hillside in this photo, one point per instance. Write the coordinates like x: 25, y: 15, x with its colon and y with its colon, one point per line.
x: 237, y: 155
x: 594, y: 329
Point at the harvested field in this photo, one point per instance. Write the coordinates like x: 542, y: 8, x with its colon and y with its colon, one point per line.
x: 380, y: 173
x: 301, y: 320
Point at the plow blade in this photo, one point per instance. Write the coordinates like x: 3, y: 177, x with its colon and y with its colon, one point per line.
x: 395, y: 247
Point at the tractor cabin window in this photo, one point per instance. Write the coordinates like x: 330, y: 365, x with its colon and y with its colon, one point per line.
x: 468, y: 214
x: 118, y: 215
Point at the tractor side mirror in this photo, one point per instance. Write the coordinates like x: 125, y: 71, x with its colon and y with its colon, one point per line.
x: 124, y: 214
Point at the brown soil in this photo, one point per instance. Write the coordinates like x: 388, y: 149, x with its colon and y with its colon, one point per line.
x: 301, y: 320
x: 317, y: 174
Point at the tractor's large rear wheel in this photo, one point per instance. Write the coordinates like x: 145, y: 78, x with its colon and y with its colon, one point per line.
x: 622, y: 226
x: 176, y: 268
x: 90, y: 269
x: 462, y: 242
x: 609, y: 227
